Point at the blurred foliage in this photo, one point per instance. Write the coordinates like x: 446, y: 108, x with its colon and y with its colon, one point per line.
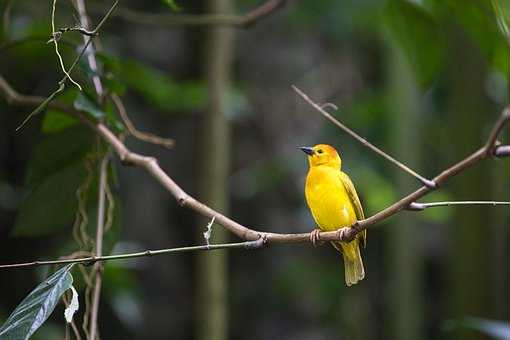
x: 55, y: 163
x: 172, y: 4
x: 495, y: 329
x: 155, y: 86
x: 418, y: 33
x: 342, y: 46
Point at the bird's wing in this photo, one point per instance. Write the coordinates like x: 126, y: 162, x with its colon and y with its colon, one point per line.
x: 351, y: 191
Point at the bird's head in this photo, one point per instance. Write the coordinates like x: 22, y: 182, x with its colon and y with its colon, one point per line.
x: 322, y: 154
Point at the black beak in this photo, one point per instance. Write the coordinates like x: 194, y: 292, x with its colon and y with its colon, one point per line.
x: 306, y: 149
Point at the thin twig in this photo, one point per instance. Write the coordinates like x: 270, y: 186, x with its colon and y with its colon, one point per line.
x: 42, y: 105
x: 55, y: 43
x: 91, y: 57
x: 59, y: 90
x: 78, y: 29
x: 422, y: 206
x: 151, y: 166
x: 133, y: 131
x: 492, y: 141
x: 61, y: 84
x: 147, y: 253
x: 84, y: 28
x: 103, y: 178
x: 172, y: 20
x: 363, y: 141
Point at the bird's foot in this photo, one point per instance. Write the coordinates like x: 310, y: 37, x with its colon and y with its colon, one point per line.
x: 341, y: 233
x: 315, y: 236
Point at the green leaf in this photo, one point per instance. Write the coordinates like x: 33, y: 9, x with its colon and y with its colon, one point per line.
x: 52, y: 204
x: 114, y: 85
x: 55, y: 121
x: 112, y: 118
x: 33, y: 311
x: 160, y: 90
x: 495, y: 329
x: 83, y: 103
x: 55, y: 171
x: 154, y: 85
x: 482, y: 21
x: 172, y: 5
x: 419, y: 34
x: 57, y: 151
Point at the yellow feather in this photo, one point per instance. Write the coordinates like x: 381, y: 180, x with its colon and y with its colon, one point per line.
x: 334, y: 204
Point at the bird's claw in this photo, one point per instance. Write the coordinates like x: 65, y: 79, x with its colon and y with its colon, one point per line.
x: 341, y: 233
x: 315, y: 236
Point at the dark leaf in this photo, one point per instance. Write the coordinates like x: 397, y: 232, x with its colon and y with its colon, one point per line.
x: 58, y: 151
x: 419, y: 34
x: 52, y: 204
x: 55, y: 121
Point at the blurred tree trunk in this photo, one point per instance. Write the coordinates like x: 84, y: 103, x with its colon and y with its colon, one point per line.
x: 498, y: 241
x: 403, y: 246
x: 470, y: 265
x: 211, y: 285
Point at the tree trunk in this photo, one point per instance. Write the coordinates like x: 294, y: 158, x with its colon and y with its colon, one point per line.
x: 469, y: 260
x: 405, y: 258
x: 211, y: 285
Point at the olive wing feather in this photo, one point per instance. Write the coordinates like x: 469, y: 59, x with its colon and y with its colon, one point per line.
x: 353, y: 195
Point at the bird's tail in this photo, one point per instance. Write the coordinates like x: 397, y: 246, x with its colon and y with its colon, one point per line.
x: 353, y: 263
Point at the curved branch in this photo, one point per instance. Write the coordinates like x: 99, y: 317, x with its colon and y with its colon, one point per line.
x: 150, y: 164
x: 133, y: 131
x: 172, y: 20
x: 492, y: 141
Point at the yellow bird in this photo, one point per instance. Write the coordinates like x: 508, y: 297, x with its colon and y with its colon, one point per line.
x: 334, y: 204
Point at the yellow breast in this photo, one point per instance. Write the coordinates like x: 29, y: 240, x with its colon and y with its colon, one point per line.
x: 328, y: 200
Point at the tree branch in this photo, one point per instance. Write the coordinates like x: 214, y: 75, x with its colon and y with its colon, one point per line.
x: 422, y: 206
x: 91, y: 57
x: 151, y: 166
x: 90, y: 260
x: 172, y: 20
x: 501, y: 151
x: 84, y: 22
x: 133, y: 131
x: 362, y: 140
x: 103, y: 169
x: 103, y: 178
x: 61, y: 84
x: 61, y: 87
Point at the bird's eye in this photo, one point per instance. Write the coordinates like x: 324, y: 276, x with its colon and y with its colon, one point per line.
x: 319, y: 151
